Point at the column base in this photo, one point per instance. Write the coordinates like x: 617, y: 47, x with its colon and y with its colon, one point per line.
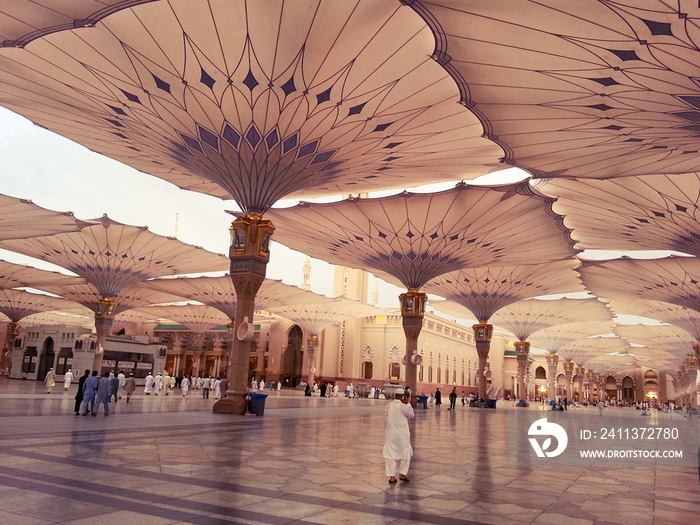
x: 233, y: 403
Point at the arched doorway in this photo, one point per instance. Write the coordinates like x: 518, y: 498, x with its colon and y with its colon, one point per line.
x: 293, y: 357
x: 47, y: 359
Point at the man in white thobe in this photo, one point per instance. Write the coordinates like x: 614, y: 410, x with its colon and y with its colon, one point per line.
x: 67, y: 380
x: 157, y: 383
x: 397, y: 447
x: 185, y: 386
x: 166, y: 383
x: 122, y: 382
x: 148, y: 387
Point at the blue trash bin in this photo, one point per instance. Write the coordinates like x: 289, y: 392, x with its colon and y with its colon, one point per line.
x: 423, y: 400
x: 256, y: 405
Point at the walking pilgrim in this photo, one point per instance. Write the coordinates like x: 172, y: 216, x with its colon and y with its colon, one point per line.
x: 67, y: 380
x: 397, y: 447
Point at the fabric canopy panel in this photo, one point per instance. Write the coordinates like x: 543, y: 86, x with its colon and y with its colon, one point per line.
x: 112, y: 256
x: 20, y: 219
x: 197, y: 317
x: 252, y: 100
x: 18, y: 304
x: 671, y: 279
x: 527, y: 317
x: 130, y: 297
x: 19, y: 275
x: 412, y: 238
x: 484, y: 291
x: 219, y: 293
x: 584, y: 88
x: 652, y: 212
x: 664, y: 338
x: 314, y: 318
x: 680, y: 316
x: 583, y: 350
x: 555, y: 337
x: 59, y: 318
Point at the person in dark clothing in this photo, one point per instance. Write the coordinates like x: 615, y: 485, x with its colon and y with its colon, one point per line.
x: 453, y: 399
x: 79, y: 395
x: 438, y: 397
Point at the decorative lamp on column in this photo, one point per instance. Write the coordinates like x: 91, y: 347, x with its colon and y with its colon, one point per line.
x: 105, y: 310
x: 312, y: 348
x: 412, y: 312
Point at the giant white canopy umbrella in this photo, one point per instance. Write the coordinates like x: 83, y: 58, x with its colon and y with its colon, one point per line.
x: 411, y: 238
x: 111, y: 257
x: 527, y: 317
x: 587, y: 89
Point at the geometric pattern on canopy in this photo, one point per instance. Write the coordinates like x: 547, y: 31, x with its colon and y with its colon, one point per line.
x: 197, y: 317
x: 656, y: 212
x: 411, y: 238
x: 112, y: 256
x: 219, y: 292
x: 671, y: 279
x: 586, y: 88
x: 17, y: 304
x: 484, y: 291
x: 314, y: 318
x: 679, y: 316
x: 554, y: 337
x: 20, y: 218
x: 20, y: 275
x: 527, y: 317
x: 59, y: 318
x: 583, y: 350
x: 252, y: 100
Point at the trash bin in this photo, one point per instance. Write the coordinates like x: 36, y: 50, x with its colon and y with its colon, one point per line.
x: 423, y: 400
x: 256, y: 405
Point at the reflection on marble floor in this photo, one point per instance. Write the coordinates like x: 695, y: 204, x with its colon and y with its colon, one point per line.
x: 163, y: 460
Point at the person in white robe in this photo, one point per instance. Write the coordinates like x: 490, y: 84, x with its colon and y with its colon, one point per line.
x: 166, y: 383
x: 261, y: 385
x: 397, y: 446
x: 148, y: 387
x: 336, y: 389
x: 253, y: 385
x: 67, y: 380
x: 173, y: 381
x: 122, y: 381
x: 279, y: 385
x: 50, y: 380
x: 217, y: 388
x: 185, y: 386
x: 157, y: 384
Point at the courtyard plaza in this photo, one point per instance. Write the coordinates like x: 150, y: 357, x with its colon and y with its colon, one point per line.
x: 169, y: 459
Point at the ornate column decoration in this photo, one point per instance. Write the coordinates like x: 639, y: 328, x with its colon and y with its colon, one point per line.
x: 691, y: 369
x: 249, y: 254
x: 581, y: 375
x: 104, y: 318
x: 482, y: 338
x: 312, y: 348
x: 412, y: 312
x: 569, y: 375
x: 522, y: 353
x: 552, y: 362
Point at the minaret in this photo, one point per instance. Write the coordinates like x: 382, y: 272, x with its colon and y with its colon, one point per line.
x: 306, y: 281
x: 375, y: 294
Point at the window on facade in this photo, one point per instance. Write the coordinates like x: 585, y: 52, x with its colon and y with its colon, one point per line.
x: 439, y: 375
x: 395, y: 371
x: 367, y: 368
x: 430, y: 374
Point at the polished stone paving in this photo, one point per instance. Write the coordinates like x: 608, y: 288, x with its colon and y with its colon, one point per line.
x: 167, y: 460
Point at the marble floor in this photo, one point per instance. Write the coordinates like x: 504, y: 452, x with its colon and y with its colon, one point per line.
x: 166, y: 460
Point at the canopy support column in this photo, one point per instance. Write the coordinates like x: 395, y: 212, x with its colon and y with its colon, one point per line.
x: 522, y: 352
x: 412, y: 312
x: 482, y: 337
x: 10, y: 336
x: 249, y: 254
x: 104, y: 319
x: 552, y: 362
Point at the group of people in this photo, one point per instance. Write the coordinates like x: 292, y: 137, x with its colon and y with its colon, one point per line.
x: 259, y: 386
x: 94, y: 391
x: 164, y: 383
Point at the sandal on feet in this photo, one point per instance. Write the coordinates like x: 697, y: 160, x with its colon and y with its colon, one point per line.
x: 392, y: 480
x: 403, y: 478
